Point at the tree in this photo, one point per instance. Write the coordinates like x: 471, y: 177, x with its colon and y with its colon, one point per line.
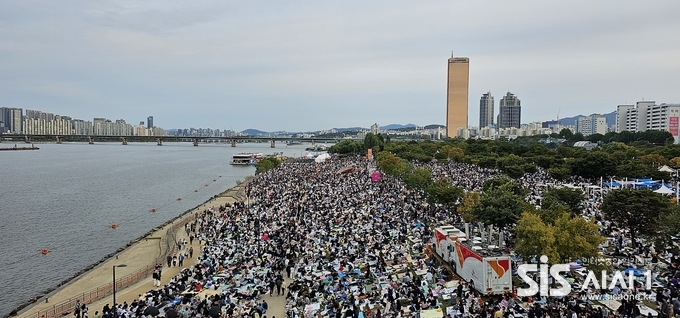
x: 392, y: 164
x: 512, y: 165
x: 347, y: 147
x: 500, y: 207
x: 572, y: 199
x: 576, y: 237
x: 534, y: 237
x: 675, y: 162
x: 470, y: 200
x: 561, y: 237
x: 640, y: 211
x: 419, y: 178
x: 595, y: 138
x: 453, y: 153
x: 654, y: 160
x: 266, y: 164
x: 561, y: 172
x: 505, y: 183
x: 669, y: 227
x: 594, y: 165
x: 566, y: 133
x: 371, y: 141
x: 443, y: 192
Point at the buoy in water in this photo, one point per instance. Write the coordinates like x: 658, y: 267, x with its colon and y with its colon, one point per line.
x: 220, y: 176
x: 44, y: 251
x: 113, y: 226
x: 153, y: 210
x: 195, y: 190
x: 179, y: 199
x: 214, y: 180
x: 206, y: 185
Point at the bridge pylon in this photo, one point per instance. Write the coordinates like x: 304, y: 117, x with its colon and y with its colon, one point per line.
x: 159, y: 141
x: 27, y: 139
x: 272, y: 143
x: 195, y: 142
x: 124, y: 141
x: 58, y: 140
x: 90, y: 140
x: 233, y: 142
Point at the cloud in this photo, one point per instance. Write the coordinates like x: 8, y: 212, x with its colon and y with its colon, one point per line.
x: 385, y: 60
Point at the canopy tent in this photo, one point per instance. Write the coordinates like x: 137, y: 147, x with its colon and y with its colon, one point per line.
x: 646, y: 183
x: 665, y: 168
x: 322, y: 157
x: 664, y: 184
x: 612, y: 184
x: 626, y: 182
x: 664, y: 190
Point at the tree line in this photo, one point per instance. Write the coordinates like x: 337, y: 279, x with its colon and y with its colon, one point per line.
x: 625, y: 155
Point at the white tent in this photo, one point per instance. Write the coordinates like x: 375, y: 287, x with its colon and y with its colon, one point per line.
x: 322, y: 157
x: 664, y: 190
x: 666, y: 169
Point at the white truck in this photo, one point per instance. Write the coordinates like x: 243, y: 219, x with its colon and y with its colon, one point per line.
x: 486, y: 269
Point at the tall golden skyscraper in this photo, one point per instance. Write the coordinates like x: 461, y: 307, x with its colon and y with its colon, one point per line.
x: 457, y: 95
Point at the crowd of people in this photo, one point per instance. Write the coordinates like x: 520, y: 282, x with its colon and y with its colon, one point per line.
x: 334, y: 243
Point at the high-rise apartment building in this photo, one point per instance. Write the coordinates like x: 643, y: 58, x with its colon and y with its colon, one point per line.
x: 457, y: 95
x: 375, y: 129
x: 11, y: 119
x: 149, y: 122
x: 486, y: 110
x: 647, y: 115
x: 509, y: 112
x: 593, y: 124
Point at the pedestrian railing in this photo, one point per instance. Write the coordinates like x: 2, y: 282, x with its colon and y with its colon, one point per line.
x: 68, y: 306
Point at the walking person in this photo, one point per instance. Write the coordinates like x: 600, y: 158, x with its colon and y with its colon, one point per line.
x: 156, y: 278
x: 76, y: 312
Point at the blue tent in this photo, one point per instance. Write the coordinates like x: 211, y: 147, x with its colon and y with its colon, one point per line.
x: 634, y: 271
x: 612, y: 184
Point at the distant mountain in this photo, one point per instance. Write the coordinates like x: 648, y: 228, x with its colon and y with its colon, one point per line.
x: 350, y: 129
x: 396, y: 126
x: 434, y: 126
x: 610, y: 117
x: 254, y: 132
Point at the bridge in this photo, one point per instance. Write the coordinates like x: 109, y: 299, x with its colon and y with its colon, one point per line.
x: 159, y: 140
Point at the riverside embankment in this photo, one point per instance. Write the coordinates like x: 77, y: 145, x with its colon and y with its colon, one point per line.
x: 140, y: 256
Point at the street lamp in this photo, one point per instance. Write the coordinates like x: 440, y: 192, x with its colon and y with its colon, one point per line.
x: 115, y: 313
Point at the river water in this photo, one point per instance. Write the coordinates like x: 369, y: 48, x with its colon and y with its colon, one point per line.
x: 64, y: 198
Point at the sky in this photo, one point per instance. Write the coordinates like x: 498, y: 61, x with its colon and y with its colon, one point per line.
x: 312, y: 65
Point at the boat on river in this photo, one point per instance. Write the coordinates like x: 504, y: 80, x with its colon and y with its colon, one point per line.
x: 246, y: 158
x: 32, y: 147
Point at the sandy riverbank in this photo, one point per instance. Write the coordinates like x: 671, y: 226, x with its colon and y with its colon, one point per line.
x: 137, y: 255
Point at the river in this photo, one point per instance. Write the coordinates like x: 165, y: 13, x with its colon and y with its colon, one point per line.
x: 64, y: 197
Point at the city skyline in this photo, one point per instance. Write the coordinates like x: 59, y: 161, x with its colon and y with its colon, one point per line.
x: 235, y: 65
